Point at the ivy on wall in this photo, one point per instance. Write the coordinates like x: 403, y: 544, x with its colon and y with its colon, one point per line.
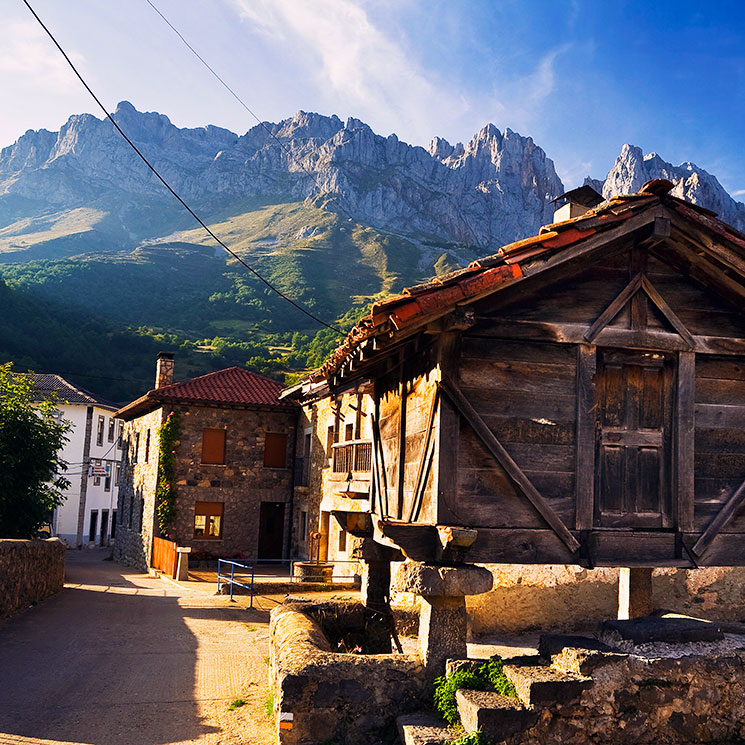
x: 165, y: 492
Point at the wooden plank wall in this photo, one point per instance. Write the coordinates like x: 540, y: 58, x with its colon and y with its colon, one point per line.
x: 719, y: 437
x: 526, y: 394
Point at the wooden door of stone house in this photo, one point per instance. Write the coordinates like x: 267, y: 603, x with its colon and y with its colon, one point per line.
x: 634, y: 414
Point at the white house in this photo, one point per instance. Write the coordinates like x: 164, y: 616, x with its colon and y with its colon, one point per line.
x: 93, y: 455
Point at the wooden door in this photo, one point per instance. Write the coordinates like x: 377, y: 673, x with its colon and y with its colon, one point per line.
x: 271, y: 530
x: 633, y: 487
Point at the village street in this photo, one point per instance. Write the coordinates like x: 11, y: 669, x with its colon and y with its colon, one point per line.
x: 120, y: 658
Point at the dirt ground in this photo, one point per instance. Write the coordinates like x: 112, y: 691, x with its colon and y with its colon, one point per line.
x: 120, y: 658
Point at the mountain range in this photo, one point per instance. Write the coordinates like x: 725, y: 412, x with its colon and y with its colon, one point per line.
x: 332, y: 213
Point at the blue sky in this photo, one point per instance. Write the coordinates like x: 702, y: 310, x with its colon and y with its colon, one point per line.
x: 582, y: 78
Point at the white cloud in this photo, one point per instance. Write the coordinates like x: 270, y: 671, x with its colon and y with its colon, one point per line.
x: 357, y: 64
x: 29, y: 55
x: 738, y: 193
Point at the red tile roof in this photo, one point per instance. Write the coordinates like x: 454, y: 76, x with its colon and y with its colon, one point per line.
x: 417, y: 305
x: 231, y: 387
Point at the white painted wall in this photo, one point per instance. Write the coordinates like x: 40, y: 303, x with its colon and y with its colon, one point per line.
x: 98, y: 497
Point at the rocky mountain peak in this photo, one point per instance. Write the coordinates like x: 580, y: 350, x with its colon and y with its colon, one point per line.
x: 632, y: 169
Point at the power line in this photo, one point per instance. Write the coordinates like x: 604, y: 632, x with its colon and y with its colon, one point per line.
x: 225, y: 85
x: 169, y: 187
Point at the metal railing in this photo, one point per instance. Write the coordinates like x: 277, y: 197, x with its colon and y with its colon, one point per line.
x: 352, y: 455
x: 244, y: 575
x: 231, y: 577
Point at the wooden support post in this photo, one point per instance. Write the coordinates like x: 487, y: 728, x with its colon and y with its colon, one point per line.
x: 376, y: 583
x: 634, y: 592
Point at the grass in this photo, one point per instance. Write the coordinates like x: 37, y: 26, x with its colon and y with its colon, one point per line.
x: 236, y: 704
x: 269, y: 706
x: 250, y: 628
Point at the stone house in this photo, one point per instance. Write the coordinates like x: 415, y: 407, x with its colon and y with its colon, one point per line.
x: 232, y: 470
x: 87, y: 517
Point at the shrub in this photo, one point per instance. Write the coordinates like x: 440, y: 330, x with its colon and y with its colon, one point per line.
x: 487, y: 677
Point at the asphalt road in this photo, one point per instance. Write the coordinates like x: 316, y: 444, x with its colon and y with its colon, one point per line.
x: 119, y: 658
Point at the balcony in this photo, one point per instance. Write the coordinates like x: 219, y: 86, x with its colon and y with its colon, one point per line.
x: 352, y: 456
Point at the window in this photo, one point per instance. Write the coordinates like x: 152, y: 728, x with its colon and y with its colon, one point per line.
x: 275, y: 450
x: 342, y: 541
x: 147, y: 446
x: 213, y: 446
x: 137, y: 448
x: 97, y: 479
x: 329, y: 440
x: 99, y: 430
x: 208, y: 520
x: 131, y: 508
x: 112, y: 427
x: 303, y: 525
x: 121, y: 435
x: 349, y: 432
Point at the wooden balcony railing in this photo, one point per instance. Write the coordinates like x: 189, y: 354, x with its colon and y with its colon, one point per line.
x: 352, y: 456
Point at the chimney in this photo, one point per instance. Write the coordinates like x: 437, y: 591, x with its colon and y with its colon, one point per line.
x: 164, y: 369
x: 575, y: 203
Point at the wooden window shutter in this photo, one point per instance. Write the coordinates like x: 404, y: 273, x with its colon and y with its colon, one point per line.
x: 213, y: 446
x: 275, y: 450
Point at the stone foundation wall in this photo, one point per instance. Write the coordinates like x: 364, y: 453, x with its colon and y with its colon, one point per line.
x: 640, y: 700
x: 29, y: 572
x: 349, y: 699
x: 528, y: 597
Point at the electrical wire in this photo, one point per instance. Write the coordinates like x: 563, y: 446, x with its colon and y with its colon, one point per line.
x: 169, y: 187
x: 261, y: 123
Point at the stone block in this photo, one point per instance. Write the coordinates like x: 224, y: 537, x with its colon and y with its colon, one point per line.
x: 442, y: 581
x: 442, y: 632
x: 497, y: 716
x: 544, y: 686
x: 551, y: 644
x: 424, y: 729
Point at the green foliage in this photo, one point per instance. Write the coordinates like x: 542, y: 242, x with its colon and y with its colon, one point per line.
x: 447, y: 685
x: 236, y: 704
x: 487, y: 677
x: 31, y: 437
x: 471, y: 738
x: 165, y: 491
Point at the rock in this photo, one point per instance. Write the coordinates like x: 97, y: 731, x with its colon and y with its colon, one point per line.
x: 651, y: 629
x: 632, y: 169
x: 551, y: 644
x: 496, y: 716
x: 442, y: 581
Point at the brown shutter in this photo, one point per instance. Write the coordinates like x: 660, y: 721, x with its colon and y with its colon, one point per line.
x: 275, y: 450
x: 213, y: 446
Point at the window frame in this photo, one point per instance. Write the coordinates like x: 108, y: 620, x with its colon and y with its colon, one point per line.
x: 209, y: 510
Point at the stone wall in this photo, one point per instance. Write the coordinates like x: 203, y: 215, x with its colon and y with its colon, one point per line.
x: 647, y: 699
x: 565, y: 597
x: 349, y: 699
x: 136, y: 504
x: 241, y: 484
x: 29, y: 572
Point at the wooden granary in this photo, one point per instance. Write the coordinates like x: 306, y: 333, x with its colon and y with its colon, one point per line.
x: 578, y: 397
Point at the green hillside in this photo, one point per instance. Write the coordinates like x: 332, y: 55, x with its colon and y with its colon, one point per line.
x: 103, y: 313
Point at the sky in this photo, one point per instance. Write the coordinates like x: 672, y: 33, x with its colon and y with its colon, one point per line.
x: 581, y: 78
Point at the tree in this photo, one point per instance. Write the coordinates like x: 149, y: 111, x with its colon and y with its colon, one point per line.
x: 31, y: 438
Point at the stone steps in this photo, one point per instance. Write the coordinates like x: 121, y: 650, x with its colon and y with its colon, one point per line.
x: 497, y: 716
x: 424, y: 729
x: 544, y: 686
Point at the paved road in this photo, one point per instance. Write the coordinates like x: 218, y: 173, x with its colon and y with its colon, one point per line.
x: 119, y: 658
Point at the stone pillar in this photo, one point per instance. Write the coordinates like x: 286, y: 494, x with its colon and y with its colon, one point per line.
x: 442, y: 619
x: 376, y: 583
x: 634, y: 592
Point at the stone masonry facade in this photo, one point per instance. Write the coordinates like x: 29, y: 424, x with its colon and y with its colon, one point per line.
x: 240, y: 485
x: 139, y: 476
